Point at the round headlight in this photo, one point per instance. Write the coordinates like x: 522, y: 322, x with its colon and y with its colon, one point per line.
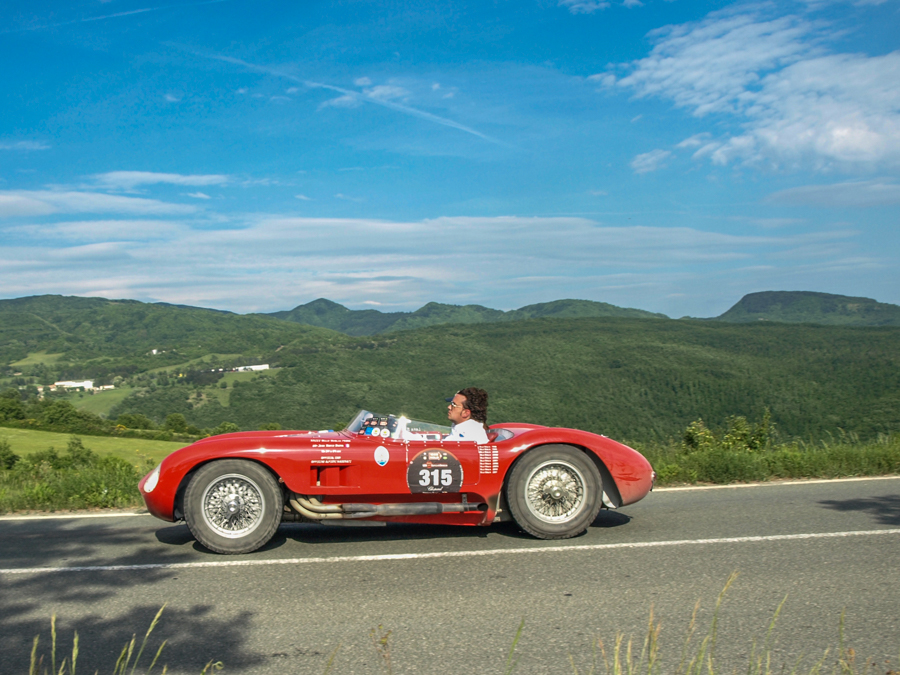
x: 152, y: 480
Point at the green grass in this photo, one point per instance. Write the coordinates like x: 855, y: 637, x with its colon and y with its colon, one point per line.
x: 128, y: 657
x: 34, y: 358
x: 77, y: 478
x: 133, y: 450
x: 747, y: 452
x: 101, y: 402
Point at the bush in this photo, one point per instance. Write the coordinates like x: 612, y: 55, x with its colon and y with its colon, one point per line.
x: 751, y: 455
x: 135, y: 421
x: 176, y: 422
x: 8, y: 458
x: 76, y: 479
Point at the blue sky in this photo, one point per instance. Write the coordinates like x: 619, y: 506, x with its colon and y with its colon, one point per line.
x: 253, y: 156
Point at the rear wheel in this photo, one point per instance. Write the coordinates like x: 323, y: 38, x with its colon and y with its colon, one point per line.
x: 554, y: 492
x: 233, y: 506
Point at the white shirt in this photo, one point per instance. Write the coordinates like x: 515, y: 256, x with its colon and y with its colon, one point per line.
x: 470, y: 430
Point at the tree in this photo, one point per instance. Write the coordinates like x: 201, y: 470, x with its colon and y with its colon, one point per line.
x: 8, y: 458
x: 175, y: 422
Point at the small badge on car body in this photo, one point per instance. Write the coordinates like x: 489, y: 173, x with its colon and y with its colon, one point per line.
x: 382, y: 456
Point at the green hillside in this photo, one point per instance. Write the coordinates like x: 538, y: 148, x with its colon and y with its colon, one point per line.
x: 95, y: 337
x: 327, y: 314
x: 634, y: 379
x: 809, y: 307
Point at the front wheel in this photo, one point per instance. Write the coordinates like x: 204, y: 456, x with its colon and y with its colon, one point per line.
x: 554, y: 492
x: 233, y: 506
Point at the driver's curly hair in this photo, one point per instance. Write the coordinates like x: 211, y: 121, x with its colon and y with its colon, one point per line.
x: 476, y: 402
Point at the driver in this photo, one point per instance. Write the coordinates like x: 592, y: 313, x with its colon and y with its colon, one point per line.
x: 468, y: 412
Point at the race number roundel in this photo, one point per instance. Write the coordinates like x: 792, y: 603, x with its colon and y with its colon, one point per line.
x: 434, y: 471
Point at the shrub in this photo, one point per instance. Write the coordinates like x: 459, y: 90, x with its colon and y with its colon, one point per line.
x: 8, y: 458
x: 76, y: 479
x: 176, y: 422
x: 135, y: 421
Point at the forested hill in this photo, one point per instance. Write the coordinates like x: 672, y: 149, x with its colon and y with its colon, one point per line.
x: 809, y: 307
x: 81, y: 329
x: 327, y: 314
x: 632, y: 378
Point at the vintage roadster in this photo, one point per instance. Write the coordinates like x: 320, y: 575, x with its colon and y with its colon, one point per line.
x: 234, y: 490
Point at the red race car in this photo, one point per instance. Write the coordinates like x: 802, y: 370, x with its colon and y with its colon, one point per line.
x: 235, y: 489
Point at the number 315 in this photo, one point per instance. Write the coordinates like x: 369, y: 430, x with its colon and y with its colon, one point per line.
x: 435, y: 477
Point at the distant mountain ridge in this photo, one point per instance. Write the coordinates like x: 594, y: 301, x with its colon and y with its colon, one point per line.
x: 811, y: 307
x: 327, y: 314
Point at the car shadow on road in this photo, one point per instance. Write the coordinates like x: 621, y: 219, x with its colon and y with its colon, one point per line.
x: 885, y: 509
x: 308, y: 533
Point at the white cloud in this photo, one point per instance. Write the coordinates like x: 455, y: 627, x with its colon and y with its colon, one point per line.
x: 650, y: 161
x: 544, y: 258
x: 171, y: 98
x: 694, y: 141
x: 128, y: 180
x: 840, y: 195
x: 46, y: 202
x: 303, y: 197
x: 769, y: 223
x: 24, y: 145
x: 349, y: 100
x: 632, y: 3
x: 198, y: 195
x: 583, y: 6
x: 97, y: 230
x: 386, y: 92
x: 362, y: 81
x: 798, y: 104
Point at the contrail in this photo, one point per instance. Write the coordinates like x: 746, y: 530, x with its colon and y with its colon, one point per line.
x: 391, y: 105
x: 110, y: 16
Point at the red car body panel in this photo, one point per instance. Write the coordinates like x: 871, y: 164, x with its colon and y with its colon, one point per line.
x: 342, y: 467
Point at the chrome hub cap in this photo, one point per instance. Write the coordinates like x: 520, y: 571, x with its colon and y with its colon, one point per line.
x: 233, y: 506
x: 554, y: 492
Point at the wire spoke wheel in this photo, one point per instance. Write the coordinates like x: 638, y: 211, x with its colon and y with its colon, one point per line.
x: 233, y: 506
x: 555, y: 492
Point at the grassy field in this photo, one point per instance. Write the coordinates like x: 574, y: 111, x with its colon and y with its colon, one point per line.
x: 34, y: 358
x: 101, y: 402
x: 133, y: 450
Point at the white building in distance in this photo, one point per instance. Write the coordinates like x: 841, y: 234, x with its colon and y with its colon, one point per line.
x: 247, y: 369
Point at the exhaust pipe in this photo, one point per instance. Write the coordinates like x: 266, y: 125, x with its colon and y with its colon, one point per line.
x: 313, y: 509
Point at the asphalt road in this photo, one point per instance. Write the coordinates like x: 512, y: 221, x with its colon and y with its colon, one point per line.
x: 453, y: 598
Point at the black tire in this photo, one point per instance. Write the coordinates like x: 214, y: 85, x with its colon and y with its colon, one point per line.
x: 233, y: 506
x: 554, y: 492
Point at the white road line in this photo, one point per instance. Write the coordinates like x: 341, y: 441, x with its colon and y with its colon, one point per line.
x: 773, y: 483
x: 446, y: 554
x: 70, y: 516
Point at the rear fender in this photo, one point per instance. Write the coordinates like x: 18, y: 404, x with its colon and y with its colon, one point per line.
x: 610, y: 489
